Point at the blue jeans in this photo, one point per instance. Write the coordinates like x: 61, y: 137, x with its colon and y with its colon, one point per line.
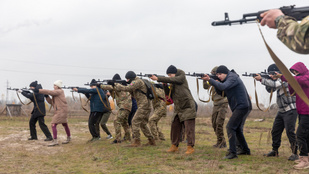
x: 235, y: 129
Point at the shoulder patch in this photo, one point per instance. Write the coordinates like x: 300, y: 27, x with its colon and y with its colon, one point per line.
x: 132, y: 83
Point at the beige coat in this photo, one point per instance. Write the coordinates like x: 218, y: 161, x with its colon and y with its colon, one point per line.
x: 59, y: 103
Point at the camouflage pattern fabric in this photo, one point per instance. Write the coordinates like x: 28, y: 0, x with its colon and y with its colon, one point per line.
x: 140, y: 119
x: 217, y: 119
x: 123, y: 99
x: 122, y: 120
x: 159, y: 112
x: 293, y: 34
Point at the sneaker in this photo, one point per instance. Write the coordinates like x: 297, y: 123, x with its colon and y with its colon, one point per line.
x: 293, y: 157
x: 242, y: 152
x: 93, y: 139
x: 49, y: 139
x: 230, y: 155
x: 109, y: 137
x: 272, y: 154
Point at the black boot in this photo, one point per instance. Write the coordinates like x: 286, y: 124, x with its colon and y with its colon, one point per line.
x: 272, y: 153
x: 230, y: 155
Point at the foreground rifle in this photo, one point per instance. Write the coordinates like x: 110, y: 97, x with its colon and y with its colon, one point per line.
x: 112, y: 82
x: 200, y: 75
x: 148, y: 75
x: 297, y: 13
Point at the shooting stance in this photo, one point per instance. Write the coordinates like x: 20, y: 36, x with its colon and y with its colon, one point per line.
x: 240, y: 105
x: 124, y: 103
x: 98, y: 107
x: 218, y: 112
x: 138, y: 89
x: 301, y: 75
x: 60, y: 106
x: 184, y: 112
x: 159, y: 111
x: 286, y: 116
x: 38, y: 112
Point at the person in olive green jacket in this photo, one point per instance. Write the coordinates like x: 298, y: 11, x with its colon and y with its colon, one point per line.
x: 185, y: 108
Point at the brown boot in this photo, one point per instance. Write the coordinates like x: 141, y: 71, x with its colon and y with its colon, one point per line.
x: 173, y: 148
x: 304, y: 164
x: 136, y: 143
x: 190, y: 150
x: 151, y: 142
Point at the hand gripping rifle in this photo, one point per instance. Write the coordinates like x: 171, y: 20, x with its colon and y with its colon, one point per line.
x: 297, y: 13
x: 199, y: 76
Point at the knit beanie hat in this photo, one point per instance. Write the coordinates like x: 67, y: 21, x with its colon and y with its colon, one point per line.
x: 116, y: 77
x: 223, y: 69
x: 171, y: 70
x: 58, y: 83
x: 214, y: 70
x: 130, y: 75
x: 93, y: 82
x: 33, y: 84
x: 273, y: 67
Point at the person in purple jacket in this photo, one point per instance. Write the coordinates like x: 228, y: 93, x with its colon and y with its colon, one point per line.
x: 302, y: 76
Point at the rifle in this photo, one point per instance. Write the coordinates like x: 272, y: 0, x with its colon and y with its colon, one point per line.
x: 112, y: 82
x: 262, y: 74
x: 200, y: 75
x: 297, y: 13
x: 17, y: 89
x: 149, y: 75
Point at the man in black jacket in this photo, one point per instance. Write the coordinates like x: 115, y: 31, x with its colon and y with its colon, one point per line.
x: 37, y: 113
x: 240, y: 105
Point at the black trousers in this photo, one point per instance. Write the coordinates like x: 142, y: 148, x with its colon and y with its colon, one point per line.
x: 287, y: 121
x: 235, y: 129
x: 303, y: 135
x: 93, y: 123
x: 42, y: 124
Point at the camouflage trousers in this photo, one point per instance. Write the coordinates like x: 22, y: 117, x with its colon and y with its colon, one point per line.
x: 140, y: 121
x: 122, y: 120
x: 153, y: 123
x: 217, y: 119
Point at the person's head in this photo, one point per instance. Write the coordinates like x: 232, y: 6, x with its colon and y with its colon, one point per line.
x: 130, y: 75
x: 58, y: 84
x: 116, y: 77
x: 93, y: 83
x: 222, y: 72
x: 295, y: 72
x: 214, y: 70
x: 273, y: 68
x: 33, y: 84
x: 171, y: 71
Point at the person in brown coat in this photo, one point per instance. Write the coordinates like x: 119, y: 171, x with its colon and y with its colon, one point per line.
x: 60, y: 106
x: 185, y: 108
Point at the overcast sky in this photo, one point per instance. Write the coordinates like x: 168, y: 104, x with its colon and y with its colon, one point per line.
x: 77, y: 40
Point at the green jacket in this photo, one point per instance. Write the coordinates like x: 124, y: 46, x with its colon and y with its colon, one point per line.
x: 293, y: 34
x: 184, y: 104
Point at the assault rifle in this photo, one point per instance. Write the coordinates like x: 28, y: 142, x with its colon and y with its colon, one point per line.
x: 70, y: 87
x: 200, y: 75
x: 262, y: 74
x: 297, y: 13
x: 17, y: 89
x: 149, y: 75
x: 112, y: 82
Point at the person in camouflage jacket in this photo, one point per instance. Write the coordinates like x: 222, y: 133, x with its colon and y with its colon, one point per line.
x: 137, y: 88
x: 124, y: 103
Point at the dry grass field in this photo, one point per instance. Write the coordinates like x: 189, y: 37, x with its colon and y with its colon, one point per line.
x: 18, y: 155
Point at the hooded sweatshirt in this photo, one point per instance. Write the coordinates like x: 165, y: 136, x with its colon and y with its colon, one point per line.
x: 303, y: 80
